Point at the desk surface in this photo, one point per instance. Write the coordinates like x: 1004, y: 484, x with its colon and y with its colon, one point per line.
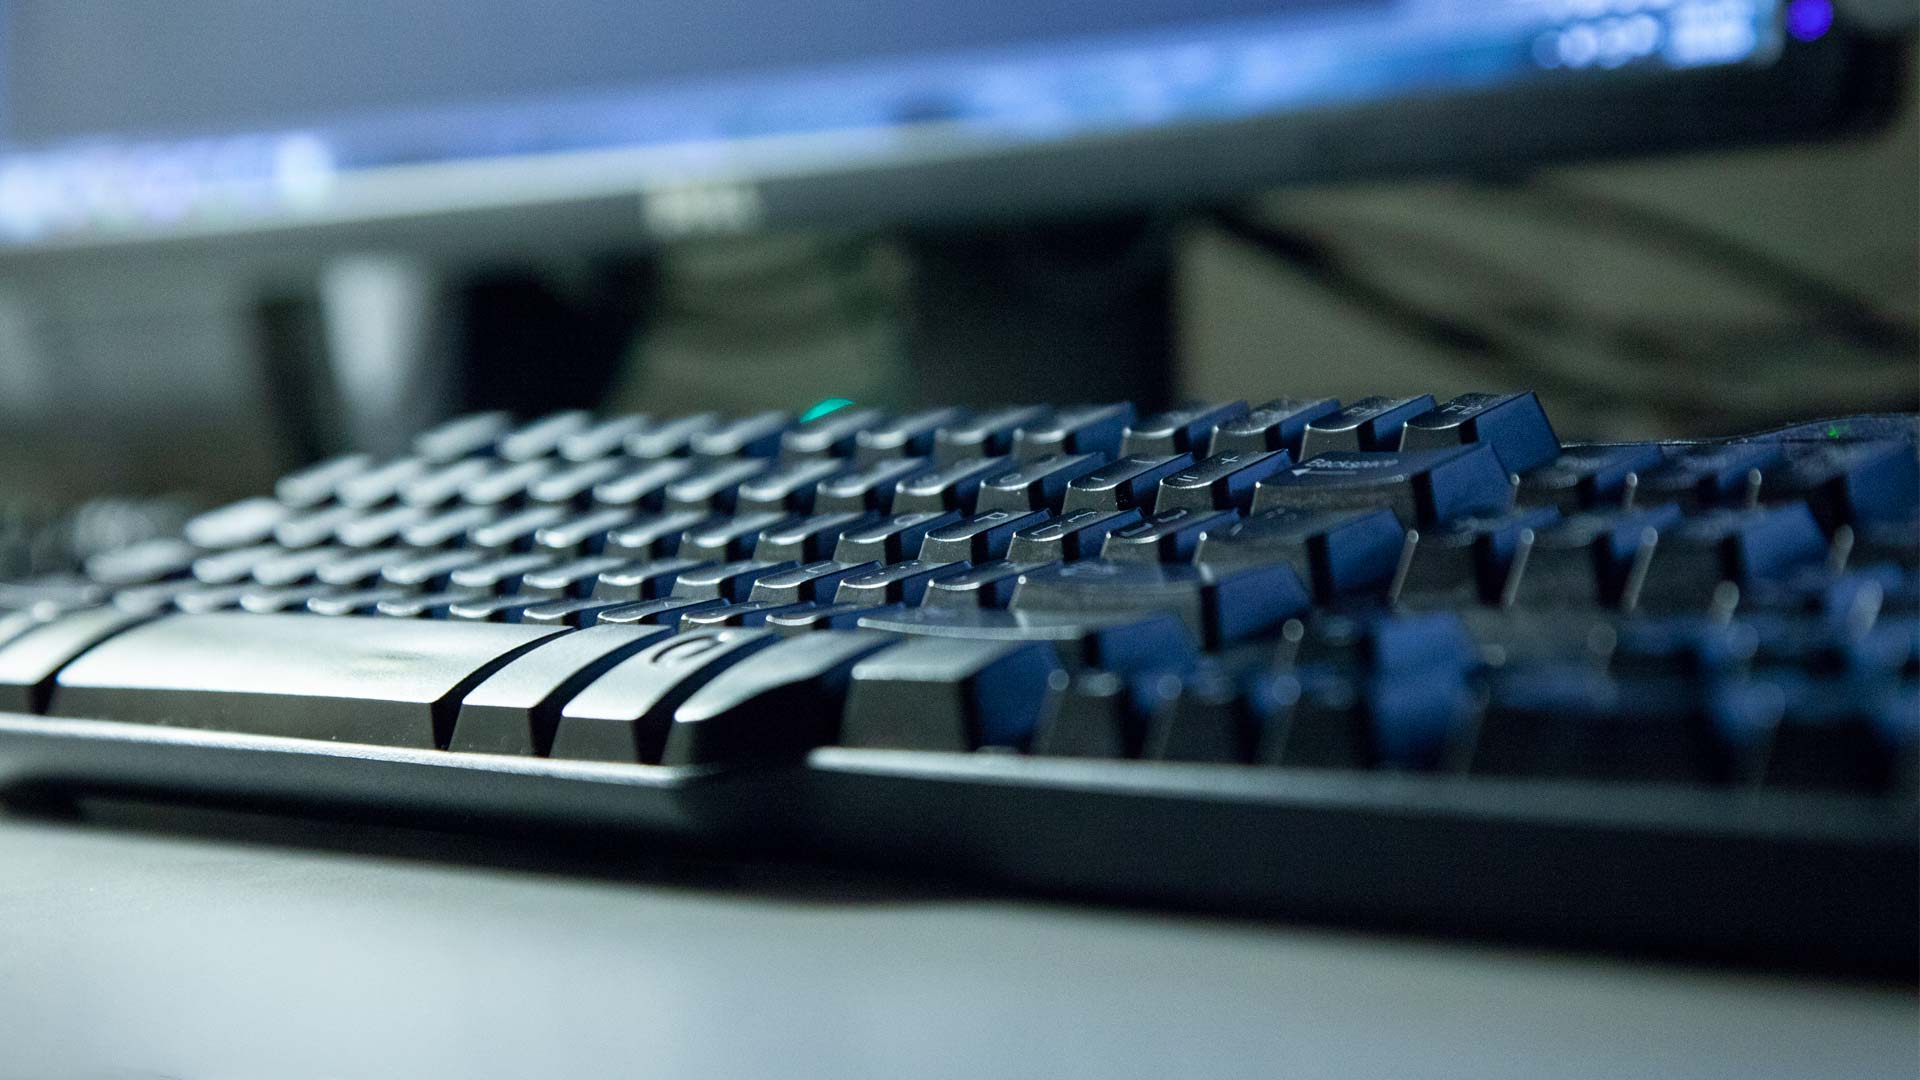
x: 194, y: 953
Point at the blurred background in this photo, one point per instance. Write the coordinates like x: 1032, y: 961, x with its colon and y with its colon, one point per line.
x: 1651, y: 270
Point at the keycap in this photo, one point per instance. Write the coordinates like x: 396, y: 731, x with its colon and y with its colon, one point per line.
x: 669, y: 438
x: 954, y: 696
x: 315, y: 484
x: 889, y: 539
x: 583, y: 534
x: 505, y: 484
x: 433, y: 605
x: 749, y: 613
x: 1077, y: 534
x: 353, y: 601
x: 30, y: 660
x: 755, y: 436
x: 142, y: 563
x: 575, y: 612
x: 541, y: 437
x: 443, y: 484
x: 1599, y: 556
x: 1744, y: 547
x: 574, y: 485
x: 1102, y: 714
x: 210, y: 598
x: 515, y: 532
x: 954, y: 486
x: 501, y: 574
x: 869, y: 489
x: 431, y: 572
x: 653, y: 536
x: 784, y: 703
x: 1036, y: 485
x: 298, y: 566
x: 1109, y: 642
x: 313, y: 527
x: 1219, y: 718
x: 1274, y: 425
x: 642, y: 486
x: 380, y: 527
x: 724, y: 538
x: 729, y: 581
x: 461, y: 436
x: 1167, y: 536
x: 831, y: 436
x: 713, y: 488
x: 986, y: 585
x: 807, y: 539
x: 909, y: 436
x: 1372, y: 423
x: 156, y: 597
x: 575, y: 578
x: 1217, y: 607
x: 1423, y: 487
x: 788, y: 488
x: 807, y: 582
x: 1220, y: 482
x: 239, y: 524
x: 1186, y: 430
x: 448, y: 527
x: 988, y: 434
x: 1514, y: 425
x: 1339, y: 553
x: 374, y: 681
x: 1703, y: 476
x: 603, y: 439
x: 1848, y: 484
x: 1469, y: 560
x: 268, y: 599
x: 380, y: 483
x: 811, y: 618
x: 1078, y: 429
x: 1126, y: 484
x: 980, y: 538
x: 665, y: 611
x: 364, y: 569
x: 899, y: 583
x: 516, y: 709
x: 1589, y: 477
x: 624, y: 714
x: 647, y: 580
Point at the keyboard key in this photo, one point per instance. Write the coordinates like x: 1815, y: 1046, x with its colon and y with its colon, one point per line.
x: 807, y: 582
x: 585, y: 534
x: 1744, y: 547
x: 542, y: 437
x: 900, y: 583
x: 461, y: 436
x: 1111, y: 642
x: 1280, y: 424
x: 807, y: 539
x: 648, y: 580
x: 1217, y: 718
x: 643, y: 486
x: 143, y: 563
x: 949, y: 487
x: 345, y: 680
x: 381, y: 483
x: 713, y: 488
x: 724, y: 538
x: 516, y: 709
x: 624, y: 714
x: 1470, y: 560
x: 868, y: 490
x: 505, y: 485
x: 444, y: 483
x: 786, y: 702
x: 501, y: 574
x: 1100, y: 714
x: 981, y: 538
x: 665, y: 611
x: 314, y: 527
x: 1339, y: 553
x: 312, y: 485
x: 1168, y: 536
x: 1850, y: 483
x: 1127, y: 484
x: 756, y: 436
x: 1217, y: 608
x: 954, y: 696
x: 1077, y: 534
x: 296, y: 567
x: 909, y: 436
x: 380, y: 527
x: 653, y: 536
x: 1036, y: 485
x: 448, y: 527
x: 262, y: 600
x: 433, y: 572
x: 891, y: 539
x: 353, y: 602
x: 986, y: 435
x: 1589, y: 477
x: 573, y: 612
x: 831, y: 436
x: 210, y: 598
x: 750, y: 613
x: 228, y: 567
x: 515, y: 532
x: 1422, y: 487
x: 731, y: 581
x: 669, y: 438
x: 1600, y: 556
x: 239, y: 524
x: 1221, y: 482
x: 364, y: 569
x: 1706, y: 476
x: 789, y: 488
x: 809, y: 618
x: 1186, y: 430
x: 574, y: 485
x: 1080, y: 429
x: 573, y: 579
x: 604, y: 438
x: 1368, y: 424
x: 434, y: 605
x: 987, y: 585
x: 1514, y: 425
x: 33, y: 656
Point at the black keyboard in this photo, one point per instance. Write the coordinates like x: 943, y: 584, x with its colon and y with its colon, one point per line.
x: 1398, y: 662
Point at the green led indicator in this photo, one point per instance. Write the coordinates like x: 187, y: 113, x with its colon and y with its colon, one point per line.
x: 1834, y: 431
x: 825, y: 406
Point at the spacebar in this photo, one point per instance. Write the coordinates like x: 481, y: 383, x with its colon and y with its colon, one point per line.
x: 394, y: 682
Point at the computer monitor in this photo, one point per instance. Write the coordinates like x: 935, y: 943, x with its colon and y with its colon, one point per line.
x: 603, y: 122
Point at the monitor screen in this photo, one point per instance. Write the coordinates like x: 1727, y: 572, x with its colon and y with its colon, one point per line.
x: 131, y: 120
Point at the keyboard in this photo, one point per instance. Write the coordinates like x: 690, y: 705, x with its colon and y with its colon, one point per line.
x: 1396, y: 662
